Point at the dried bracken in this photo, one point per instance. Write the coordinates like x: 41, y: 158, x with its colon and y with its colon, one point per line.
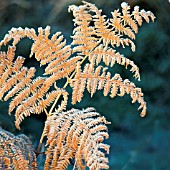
x: 29, y: 96
x: 16, y: 152
x: 74, y: 136
x: 93, y: 80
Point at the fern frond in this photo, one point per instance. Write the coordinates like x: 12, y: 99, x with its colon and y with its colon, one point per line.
x: 36, y: 103
x: 118, y: 26
x: 63, y: 68
x: 110, y: 57
x: 25, y: 92
x: 93, y: 80
x: 83, y: 34
x: 54, y: 52
x: 104, y: 31
x: 29, y: 96
x: 112, y: 30
x: 16, y: 152
x: 51, y: 96
x: 12, y: 74
x: 127, y: 17
x: 12, y: 81
x: 101, y: 24
x: 7, y: 64
x: 125, y: 23
x: 17, y: 34
x: 139, y: 14
x: 25, y: 81
x: 71, y: 136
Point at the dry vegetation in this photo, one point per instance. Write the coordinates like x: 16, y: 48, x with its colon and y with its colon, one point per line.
x: 75, y: 134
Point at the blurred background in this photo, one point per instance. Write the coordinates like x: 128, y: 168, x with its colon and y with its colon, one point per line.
x: 136, y: 143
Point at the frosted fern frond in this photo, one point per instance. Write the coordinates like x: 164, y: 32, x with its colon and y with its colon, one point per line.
x: 36, y: 103
x: 98, y: 78
x: 54, y: 53
x: 126, y: 23
x: 83, y: 33
x: 76, y: 135
x: 16, y: 152
x: 29, y: 95
x: 105, y: 31
x: 110, y: 57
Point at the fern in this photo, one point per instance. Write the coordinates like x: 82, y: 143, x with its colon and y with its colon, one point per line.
x: 76, y: 135
x: 29, y: 95
x: 16, y: 152
x: 93, y: 80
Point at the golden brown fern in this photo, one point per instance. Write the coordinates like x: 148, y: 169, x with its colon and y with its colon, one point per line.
x: 83, y: 33
x: 29, y: 95
x: 76, y: 135
x: 16, y: 152
x: 90, y: 42
x: 110, y: 57
x: 105, y: 32
x: 54, y: 52
x: 97, y: 79
x: 111, y: 30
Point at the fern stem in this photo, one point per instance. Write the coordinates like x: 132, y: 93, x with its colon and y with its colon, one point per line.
x: 74, y: 165
x: 48, y: 114
x: 72, y: 75
x: 40, y: 142
x: 52, y: 107
x: 45, y: 111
